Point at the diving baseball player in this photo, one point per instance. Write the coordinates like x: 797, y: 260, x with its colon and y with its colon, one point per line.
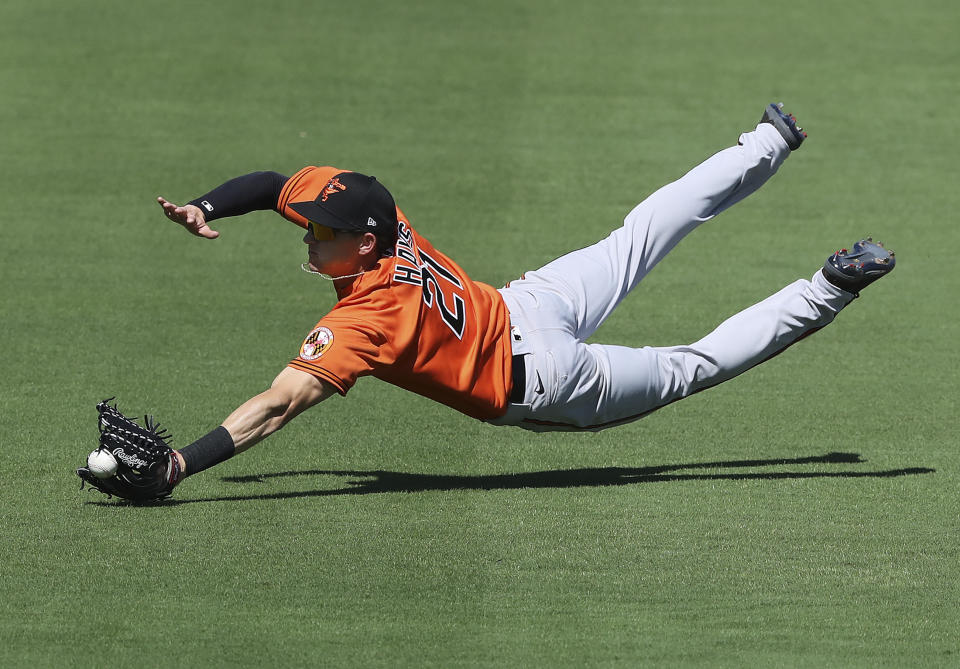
x: 409, y: 315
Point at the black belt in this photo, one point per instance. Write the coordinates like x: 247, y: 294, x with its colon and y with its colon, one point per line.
x: 519, y: 380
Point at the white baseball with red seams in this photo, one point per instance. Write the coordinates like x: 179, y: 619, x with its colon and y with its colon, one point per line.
x: 573, y: 385
x: 101, y: 463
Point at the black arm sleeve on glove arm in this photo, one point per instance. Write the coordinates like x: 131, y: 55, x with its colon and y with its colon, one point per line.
x: 207, y: 451
x: 251, y: 192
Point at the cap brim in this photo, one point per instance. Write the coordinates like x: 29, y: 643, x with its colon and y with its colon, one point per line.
x: 314, y: 212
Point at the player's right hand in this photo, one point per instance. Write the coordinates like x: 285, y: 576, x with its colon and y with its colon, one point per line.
x: 189, y: 216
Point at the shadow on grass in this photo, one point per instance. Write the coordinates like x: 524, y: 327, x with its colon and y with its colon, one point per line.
x: 378, y: 481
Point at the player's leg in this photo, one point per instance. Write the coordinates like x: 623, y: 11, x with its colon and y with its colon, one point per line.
x: 744, y: 340
x: 595, y: 279
x: 595, y: 386
x: 592, y: 386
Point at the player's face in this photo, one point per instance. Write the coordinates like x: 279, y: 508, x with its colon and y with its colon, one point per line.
x: 336, y: 256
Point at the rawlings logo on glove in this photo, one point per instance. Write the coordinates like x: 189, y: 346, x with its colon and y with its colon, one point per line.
x: 129, y: 460
x: 147, y: 468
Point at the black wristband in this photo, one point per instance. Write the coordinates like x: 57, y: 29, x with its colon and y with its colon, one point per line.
x: 207, y: 451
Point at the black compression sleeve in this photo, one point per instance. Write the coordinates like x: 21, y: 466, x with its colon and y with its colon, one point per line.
x: 207, y: 451
x: 251, y: 192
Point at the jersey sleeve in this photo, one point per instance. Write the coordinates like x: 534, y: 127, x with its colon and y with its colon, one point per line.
x: 303, y: 186
x: 341, y: 349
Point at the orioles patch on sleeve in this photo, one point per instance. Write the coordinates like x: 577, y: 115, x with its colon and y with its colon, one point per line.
x: 316, y: 343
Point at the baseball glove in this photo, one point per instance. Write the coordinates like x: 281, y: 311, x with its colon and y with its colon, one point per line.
x: 147, y: 468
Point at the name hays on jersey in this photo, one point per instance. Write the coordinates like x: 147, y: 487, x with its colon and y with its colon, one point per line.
x: 416, y: 267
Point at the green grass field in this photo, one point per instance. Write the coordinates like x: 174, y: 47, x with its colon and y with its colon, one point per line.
x: 805, y: 514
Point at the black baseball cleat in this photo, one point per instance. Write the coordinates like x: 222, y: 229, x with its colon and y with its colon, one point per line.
x: 856, y: 269
x: 785, y: 124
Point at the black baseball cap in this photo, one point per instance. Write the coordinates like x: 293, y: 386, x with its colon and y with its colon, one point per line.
x: 352, y: 201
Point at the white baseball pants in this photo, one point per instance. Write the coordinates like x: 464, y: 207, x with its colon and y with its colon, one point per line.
x: 573, y: 385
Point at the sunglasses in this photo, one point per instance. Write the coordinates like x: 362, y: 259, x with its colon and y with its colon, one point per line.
x: 320, y: 232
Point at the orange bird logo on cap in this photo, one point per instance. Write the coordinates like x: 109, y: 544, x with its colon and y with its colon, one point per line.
x: 332, y: 188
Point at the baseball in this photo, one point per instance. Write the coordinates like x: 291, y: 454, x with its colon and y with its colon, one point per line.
x: 102, y: 463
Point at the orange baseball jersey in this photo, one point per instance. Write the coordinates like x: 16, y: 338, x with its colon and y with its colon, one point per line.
x: 416, y: 320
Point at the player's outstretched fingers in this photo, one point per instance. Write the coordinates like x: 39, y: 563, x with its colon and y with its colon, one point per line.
x: 172, y: 211
x: 188, y: 216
